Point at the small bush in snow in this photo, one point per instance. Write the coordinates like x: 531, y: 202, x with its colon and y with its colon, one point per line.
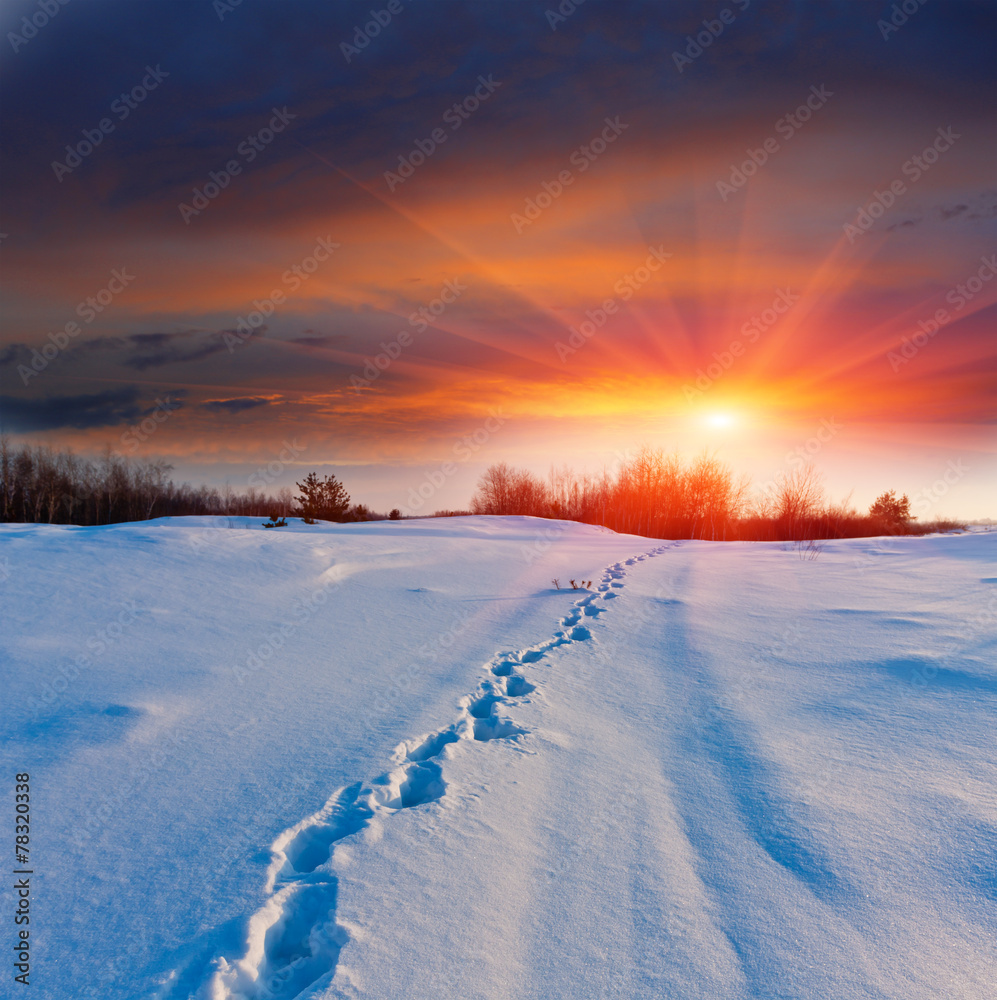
x: 809, y: 548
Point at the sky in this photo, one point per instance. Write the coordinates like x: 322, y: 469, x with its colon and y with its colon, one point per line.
x: 256, y: 239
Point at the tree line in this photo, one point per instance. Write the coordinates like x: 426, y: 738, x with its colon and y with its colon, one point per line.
x: 659, y: 495
x: 653, y: 494
x: 38, y: 484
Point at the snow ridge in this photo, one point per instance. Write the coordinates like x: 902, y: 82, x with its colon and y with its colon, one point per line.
x: 293, y: 941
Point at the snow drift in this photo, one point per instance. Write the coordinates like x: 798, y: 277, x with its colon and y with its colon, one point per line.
x: 393, y: 760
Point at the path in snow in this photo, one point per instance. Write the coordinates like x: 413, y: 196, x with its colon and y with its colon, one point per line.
x: 293, y: 940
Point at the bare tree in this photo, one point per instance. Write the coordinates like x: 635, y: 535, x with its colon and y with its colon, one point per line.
x: 799, y: 501
x: 494, y: 492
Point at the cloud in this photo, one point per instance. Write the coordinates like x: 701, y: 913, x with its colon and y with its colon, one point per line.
x: 982, y: 205
x: 14, y: 354
x: 140, y: 350
x: 320, y: 341
x: 951, y: 213
x: 81, y: 412
x: 236, y: 405
x: 153, y: 350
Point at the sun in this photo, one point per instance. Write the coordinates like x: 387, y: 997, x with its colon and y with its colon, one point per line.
x: 721, y: 419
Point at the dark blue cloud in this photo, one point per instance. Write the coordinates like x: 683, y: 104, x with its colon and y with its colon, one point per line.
x: 108, y: 408
x: 153, y: 350
x: 238, y: 405
x: 138, y: 351
x: 318, y: 340
x: 225, y: 75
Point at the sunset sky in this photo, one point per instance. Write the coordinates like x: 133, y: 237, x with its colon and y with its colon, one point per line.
x: 596, y: 270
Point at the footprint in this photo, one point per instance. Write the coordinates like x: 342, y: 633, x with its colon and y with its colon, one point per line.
x: 303, y: 944
x: 482, y: 707
x: 580, y: 633
x: 433, y: 745
x: 422, y: 783
x: 592, y: 610
x: 312, y: 846
x: 531, y: 656
x: 502, y: 669
x: 494, y: 728
x: 518, y: 687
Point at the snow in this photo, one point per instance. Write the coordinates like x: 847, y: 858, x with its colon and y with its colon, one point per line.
x: 391, y: 760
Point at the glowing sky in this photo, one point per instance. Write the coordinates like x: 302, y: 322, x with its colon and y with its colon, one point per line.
x: 612, y: 245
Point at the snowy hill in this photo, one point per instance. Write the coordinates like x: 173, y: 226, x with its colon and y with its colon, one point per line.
x: 391, y: 760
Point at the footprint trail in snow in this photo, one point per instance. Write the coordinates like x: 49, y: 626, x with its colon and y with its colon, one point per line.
x: 293, y: 941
